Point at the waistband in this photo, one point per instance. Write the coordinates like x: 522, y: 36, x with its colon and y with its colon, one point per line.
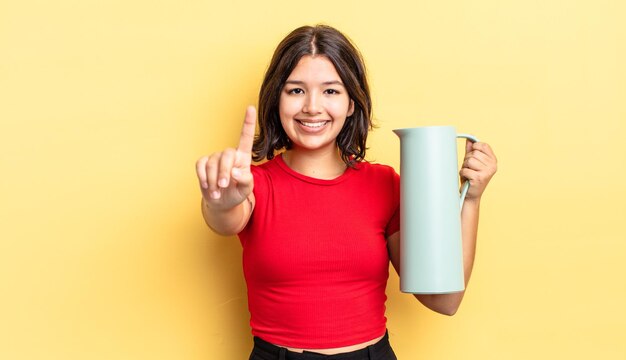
x: 276, y: 352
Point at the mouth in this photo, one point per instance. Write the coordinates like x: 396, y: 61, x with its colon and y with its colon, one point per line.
x: 313, y: 124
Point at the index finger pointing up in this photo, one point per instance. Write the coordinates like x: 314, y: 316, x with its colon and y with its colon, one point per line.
x: 247, y: 131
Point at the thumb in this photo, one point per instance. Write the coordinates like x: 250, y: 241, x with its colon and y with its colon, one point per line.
x: 469, y: 145
x: 243, y: 176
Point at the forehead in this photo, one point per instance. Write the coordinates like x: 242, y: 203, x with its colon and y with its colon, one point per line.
x: 312, y: 68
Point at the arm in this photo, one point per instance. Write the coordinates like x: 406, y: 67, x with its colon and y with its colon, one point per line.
x: 230, y: 221
x: 226, y: 183
x: 446, y: 304
x: 479, y: 166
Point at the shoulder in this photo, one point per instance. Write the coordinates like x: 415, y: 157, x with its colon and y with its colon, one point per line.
x: 377, y: 175
x: 264, y: 168
x: 375, y: 169
x: 262, y: 174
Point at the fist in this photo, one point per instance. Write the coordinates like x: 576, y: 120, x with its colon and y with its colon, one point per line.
x: 479, y: 166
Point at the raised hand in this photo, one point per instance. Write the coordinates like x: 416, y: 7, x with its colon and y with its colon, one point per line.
x: 225, y: 177
x: 479, y: 166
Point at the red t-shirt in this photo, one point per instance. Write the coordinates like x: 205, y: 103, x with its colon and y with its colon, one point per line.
x: 315, y: 254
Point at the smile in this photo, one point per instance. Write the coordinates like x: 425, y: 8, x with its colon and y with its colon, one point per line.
x: 313, y: 124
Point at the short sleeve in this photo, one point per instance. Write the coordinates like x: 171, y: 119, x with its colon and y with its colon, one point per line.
x: 394, y: 223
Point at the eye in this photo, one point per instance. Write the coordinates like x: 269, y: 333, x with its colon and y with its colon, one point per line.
x: 296, y: 91
x: 331, y: 91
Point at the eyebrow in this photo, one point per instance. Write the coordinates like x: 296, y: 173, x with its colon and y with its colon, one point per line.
x: 298, y: 82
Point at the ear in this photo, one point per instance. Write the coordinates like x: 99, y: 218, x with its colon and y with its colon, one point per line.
x: 351, y: 108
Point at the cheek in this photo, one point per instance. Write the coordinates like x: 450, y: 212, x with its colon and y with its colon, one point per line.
x: 339, y: 108
x: 286, y: 111
x: 288, y: 105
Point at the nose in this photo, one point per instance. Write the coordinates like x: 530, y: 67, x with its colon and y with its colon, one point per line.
x: 312, y: 104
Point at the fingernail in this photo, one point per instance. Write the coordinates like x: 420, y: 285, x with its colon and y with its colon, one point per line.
x: 236, y: 173
x: 205, y: 185
x: 223, y: 183
x: 215, y: 195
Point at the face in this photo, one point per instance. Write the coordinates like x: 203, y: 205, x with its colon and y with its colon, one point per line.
x: 314, y: 104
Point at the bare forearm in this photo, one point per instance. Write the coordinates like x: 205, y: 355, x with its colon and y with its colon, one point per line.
x: 226, y: 222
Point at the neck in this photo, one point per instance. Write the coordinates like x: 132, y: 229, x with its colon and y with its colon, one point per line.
x: 319, y: 164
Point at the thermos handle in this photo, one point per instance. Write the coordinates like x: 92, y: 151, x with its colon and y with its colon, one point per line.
x: 466, y: 184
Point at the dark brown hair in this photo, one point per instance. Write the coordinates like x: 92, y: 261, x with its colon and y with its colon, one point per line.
x: 325, y: 41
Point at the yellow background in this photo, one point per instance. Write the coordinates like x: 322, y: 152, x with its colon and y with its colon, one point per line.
x: 106, y: 105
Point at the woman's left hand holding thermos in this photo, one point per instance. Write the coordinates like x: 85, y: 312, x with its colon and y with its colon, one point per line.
x: 479, y: 166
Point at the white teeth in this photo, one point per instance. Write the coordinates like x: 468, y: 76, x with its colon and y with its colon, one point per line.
x: 313, y: 124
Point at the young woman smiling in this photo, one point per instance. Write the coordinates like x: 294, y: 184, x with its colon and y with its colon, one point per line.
x: 319, y: 224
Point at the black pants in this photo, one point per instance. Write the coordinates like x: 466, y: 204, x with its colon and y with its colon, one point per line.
x: 265, y: 351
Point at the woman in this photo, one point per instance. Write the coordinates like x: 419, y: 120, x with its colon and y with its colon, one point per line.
x: 318, y: 223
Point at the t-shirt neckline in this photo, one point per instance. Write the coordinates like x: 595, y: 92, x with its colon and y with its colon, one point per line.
x: 283, y: 165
